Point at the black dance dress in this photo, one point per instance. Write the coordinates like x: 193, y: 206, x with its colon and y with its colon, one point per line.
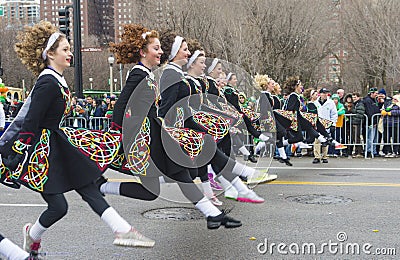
x: 55, y: 159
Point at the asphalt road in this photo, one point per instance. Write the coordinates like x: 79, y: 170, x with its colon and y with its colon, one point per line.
x: 346, y: 209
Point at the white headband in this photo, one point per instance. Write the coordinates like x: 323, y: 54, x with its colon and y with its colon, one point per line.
x: 193, y: 58
x: 229, y: 76
x: 175, y: 47
x: 53, y: 38
x: 144, y: 35
x: 212, y: 66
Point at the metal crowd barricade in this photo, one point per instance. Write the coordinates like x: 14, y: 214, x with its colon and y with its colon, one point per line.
x: 350, y: 134
x: 387, y: 135
x: 95, y: 123
x: 75, y: 122
x: 99, y: 123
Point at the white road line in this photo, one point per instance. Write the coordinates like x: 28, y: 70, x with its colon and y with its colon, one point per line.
x: 328, y: 169
x: 22, y: 205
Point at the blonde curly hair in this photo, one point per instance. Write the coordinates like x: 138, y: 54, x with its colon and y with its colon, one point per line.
x: 262, y: 81
x: 134, y: 38
x: 31, y: 44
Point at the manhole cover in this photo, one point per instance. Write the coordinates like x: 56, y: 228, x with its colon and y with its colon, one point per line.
x: 340, y: 174
x: 320, y: 199
x: 176, y: 213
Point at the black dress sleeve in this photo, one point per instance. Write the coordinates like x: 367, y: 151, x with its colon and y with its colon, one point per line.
x: 293, y: 103
x: 135, y: 77
x: 169, y: 84
x: 45, y: 92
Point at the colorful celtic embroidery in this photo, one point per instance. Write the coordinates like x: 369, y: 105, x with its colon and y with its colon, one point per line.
x: 251, y: 114
x: 325, y: 122
x: 215, y: 125
x: 291, y: 115
x: 38, y: 164
x: 139, y: 152
x: 100, y: 147
x: 190, y: 140
x: 179, y: 121
x: 311, y: 117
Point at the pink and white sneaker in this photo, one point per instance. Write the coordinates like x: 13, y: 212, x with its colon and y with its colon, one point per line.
x: 214, y: 185
x: 250, y: 197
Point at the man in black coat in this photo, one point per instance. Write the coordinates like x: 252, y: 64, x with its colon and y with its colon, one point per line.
x: 371, y: 109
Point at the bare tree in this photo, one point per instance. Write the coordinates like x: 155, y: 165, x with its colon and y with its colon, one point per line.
x: 372, y: 29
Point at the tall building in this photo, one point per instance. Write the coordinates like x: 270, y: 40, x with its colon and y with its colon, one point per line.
x: 101, y: 18
x: 18, y: 13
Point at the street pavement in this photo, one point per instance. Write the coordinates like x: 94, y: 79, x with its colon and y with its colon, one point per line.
x: 348, y: 209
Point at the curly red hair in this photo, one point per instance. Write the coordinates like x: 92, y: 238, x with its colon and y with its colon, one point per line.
x: 134, y: 38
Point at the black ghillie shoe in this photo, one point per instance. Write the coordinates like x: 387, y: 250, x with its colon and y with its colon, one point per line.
x: 224, y: 220
x: 286, y: 161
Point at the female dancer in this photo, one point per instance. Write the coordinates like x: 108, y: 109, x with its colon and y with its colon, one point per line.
x: 136, y: 108
x: 232, y: 96
x: 37, y: 147
x: 196, y: 66
x: 173, y: 89
x: 292, y: 105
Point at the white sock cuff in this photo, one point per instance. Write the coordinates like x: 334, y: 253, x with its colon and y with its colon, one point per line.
x: 285, y: 142
x: 242, y: 170
x: 37, y: 230
x: 244, y: 150
x: 207, y: 189
x: 110, y: 188
x: 111, y: 217
x: 207, y: 208
x: 210, y: 169
x: 12, y: 251
x: 240, y: 186
x: 282, y: 153
x: 259, y: 146
x: 224, y: 183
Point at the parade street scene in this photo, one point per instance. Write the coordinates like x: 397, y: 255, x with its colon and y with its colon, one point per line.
x: 252, y: 129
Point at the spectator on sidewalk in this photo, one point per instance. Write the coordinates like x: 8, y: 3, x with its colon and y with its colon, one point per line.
x: 339, y: 133
x: 356, y: 122
x: 391, y: 119
x: 383, y: 102
x: 371, y: 109
x: 326, y: 110
x: 340, y: 93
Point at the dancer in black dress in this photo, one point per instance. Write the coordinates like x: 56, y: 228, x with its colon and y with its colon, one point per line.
x: 146, y: 137
x: 50, y: 159
x: 174, y: 88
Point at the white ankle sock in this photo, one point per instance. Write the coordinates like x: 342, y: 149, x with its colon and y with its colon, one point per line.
x: 242, y: 170
x: 110, y: 188
x: 259, y: 146
x: 12, y: 251
x: 207, y: 189
x: 239, y: 186
x: 244, y: 150
x: 207, y: 208
x: 285, y: 142
x: 226, y: 185
x: 115, y: 221
x: 36, y: 231
x: 282, y: 153
x: 210, y: 169
x: 321, y: 139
